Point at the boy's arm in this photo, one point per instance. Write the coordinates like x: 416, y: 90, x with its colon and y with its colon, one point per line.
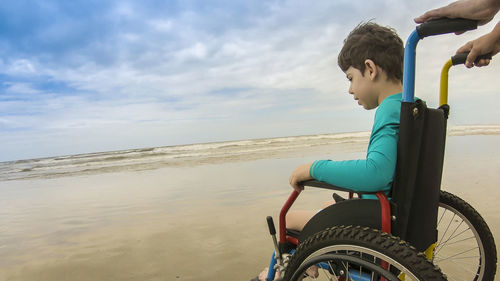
x: 372, y: 174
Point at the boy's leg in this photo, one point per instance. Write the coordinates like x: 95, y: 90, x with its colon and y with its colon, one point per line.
x: 327, y: 203
x: 296, y: 220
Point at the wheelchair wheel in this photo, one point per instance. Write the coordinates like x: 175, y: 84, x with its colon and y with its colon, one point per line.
x: 358, y: 253
x: 465, y: 249
x: 333, y: 264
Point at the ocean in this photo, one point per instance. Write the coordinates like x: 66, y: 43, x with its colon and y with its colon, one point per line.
x: 191, y: 154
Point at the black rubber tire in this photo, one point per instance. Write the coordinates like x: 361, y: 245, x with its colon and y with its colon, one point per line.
x: 481, y: 227
x: 373, y: 239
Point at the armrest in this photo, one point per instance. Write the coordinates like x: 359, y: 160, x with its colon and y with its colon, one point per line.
x: 320, y: 184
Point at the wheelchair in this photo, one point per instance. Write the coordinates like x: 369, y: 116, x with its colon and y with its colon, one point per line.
x: 417, y: 231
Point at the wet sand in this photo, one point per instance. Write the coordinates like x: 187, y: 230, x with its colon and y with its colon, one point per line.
x: 198, y: 222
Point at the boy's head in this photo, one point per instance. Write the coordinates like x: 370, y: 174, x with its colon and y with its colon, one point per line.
x: 375, y: 53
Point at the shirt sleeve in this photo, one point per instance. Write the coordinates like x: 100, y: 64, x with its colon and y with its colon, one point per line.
x: 376, y: 172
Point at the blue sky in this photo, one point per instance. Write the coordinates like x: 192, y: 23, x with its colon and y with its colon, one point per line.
x: 87, y: 76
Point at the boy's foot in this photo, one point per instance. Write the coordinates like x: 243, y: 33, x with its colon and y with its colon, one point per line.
x: 263, y: 275
x: 311, y: 271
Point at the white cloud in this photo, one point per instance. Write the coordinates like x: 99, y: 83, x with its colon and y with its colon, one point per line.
x: 161, y: 25
x: 123, y: 9
x: 13, y: 89
x: 21, y: 67
x: 196, y: 51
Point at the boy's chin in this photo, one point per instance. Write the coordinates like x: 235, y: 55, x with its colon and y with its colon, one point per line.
x: 367, y: 107
x: 361, y: 104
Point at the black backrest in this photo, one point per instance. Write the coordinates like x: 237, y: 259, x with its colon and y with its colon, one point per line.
x: 417, y: 182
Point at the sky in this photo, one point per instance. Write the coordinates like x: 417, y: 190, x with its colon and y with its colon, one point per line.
x: 89, y: 76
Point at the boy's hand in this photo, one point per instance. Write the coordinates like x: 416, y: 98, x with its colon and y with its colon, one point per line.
x: 300, y: 174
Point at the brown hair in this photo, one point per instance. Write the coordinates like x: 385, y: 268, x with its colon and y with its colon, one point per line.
x: 380, y: 44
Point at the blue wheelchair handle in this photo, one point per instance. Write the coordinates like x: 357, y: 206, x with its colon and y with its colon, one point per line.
x: 434, y: 27
x: 460, y: 58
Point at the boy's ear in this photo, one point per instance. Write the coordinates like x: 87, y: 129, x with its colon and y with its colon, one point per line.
x: 371, y: 69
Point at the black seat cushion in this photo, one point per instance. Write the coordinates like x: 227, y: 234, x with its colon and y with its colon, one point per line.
x: 362, y: 212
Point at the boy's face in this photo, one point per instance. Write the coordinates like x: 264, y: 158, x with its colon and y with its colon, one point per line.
x: 362, y: 87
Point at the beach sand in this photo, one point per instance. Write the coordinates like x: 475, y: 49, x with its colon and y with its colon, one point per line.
x: 195, y: 222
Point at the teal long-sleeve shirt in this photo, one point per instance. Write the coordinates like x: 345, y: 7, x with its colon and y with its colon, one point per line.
x: 376, y: 172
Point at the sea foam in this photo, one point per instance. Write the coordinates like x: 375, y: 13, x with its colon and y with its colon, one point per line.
x: 157, y: 157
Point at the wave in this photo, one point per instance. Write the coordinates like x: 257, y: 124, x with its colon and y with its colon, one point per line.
x: 190, y: 154
x: 474, y: 130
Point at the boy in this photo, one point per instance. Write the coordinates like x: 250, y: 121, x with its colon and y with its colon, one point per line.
x: 372, y: 59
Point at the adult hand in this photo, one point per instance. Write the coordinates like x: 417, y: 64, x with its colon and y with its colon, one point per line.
x: 489, y: 43
x: 481, y: 10
x: 300, y: 174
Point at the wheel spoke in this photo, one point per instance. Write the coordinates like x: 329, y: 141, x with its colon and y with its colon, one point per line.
x: 451, y: 235
x: 446, y: 229
x: 462, y: 260
x: 347, y: 265
x: 442, y: 215
x: 463, y: 231
x: 442, y: 244
x: 373, y: 273
x: 455, y: 258
x: 333, y: 271
x: 464, y: 266
x: 455, y: 255
x: 455, y: 242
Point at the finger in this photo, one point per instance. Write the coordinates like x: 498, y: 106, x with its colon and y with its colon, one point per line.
x: 293, y: 183
x: 469, y: 62
x: 430, y: 15
x: 419, y: 19
x: 485, y: 21
x: 298, y: 188
x: 425, y: 17
x: 482, y: 62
